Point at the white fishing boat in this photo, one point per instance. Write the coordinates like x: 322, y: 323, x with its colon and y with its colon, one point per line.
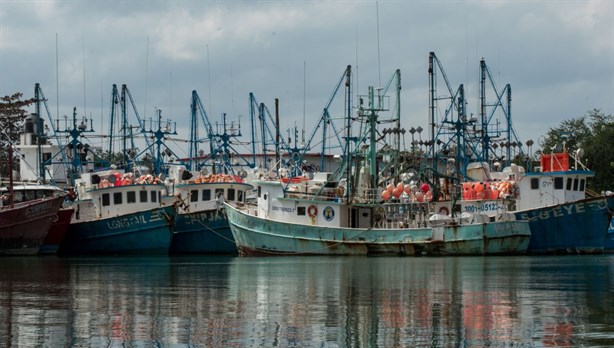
x: 356, y: 215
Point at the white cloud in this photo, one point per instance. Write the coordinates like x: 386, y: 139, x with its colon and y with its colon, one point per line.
x: 557, y: 56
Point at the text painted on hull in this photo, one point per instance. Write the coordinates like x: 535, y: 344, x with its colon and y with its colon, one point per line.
x: 566, y: 210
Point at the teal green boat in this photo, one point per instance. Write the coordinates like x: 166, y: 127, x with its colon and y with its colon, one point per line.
x: 118, y: 214
x: 360, y: 211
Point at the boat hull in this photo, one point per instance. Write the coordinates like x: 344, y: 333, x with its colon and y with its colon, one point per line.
x: 23, y: 228
x: 205, y: 232
x: 578, y: 227
x: 257, y: 236
x: 143, y: 232
x: 609, y: 240
x: 57, y: 231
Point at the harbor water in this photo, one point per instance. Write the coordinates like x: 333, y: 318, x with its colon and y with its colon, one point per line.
x: 520, y: 301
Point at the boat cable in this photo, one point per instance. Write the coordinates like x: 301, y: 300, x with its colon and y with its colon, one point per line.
x: 214, y: 231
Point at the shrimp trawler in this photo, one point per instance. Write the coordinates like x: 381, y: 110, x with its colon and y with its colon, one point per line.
x: 202, y: 184
x: 25, y: 223
x: 563, y: 219
x: 353, y: 212
x: 115, y: 210
x: 201, y: 226
x: 117, y: 213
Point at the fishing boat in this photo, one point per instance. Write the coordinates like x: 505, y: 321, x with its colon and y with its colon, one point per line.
x: 200, y: 225
x: 24, y: 223
x: 116, y: 213
x: 563, y: 219
x: 27, y: 191
x: 24, y: 226
x: 609, y: 241
x: 356, y: 211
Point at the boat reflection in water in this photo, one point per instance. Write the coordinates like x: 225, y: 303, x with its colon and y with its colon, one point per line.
x: 307, y: 301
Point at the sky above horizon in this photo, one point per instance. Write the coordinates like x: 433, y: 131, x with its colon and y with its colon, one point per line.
x: 557, y: 56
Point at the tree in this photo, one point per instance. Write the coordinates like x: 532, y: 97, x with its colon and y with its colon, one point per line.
x: 599, y: 154
x: 12, y: 115
x: 593, y: 133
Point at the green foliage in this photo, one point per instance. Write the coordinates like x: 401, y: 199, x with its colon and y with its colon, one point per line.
x: 594, y: 133
x: 12, y: 115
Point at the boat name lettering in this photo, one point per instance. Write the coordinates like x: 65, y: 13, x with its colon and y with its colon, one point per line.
x: 197, y: 218
x: 560, y: 211
x: 284, y: 209
x: 38, y: 209
x: 126, y: 222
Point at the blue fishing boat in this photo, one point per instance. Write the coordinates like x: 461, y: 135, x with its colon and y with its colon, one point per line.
x: 357, y: 211
x: 118, y: 214
x: 563, y: 219
x: 201, y: 226
x: 609, y: 240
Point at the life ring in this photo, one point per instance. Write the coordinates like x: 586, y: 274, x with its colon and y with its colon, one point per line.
x: 312, y: 211
x: 444, y: 211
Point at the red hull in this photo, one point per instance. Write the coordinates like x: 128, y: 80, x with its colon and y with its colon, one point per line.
x: 57, y: 231
x: 24, y: 227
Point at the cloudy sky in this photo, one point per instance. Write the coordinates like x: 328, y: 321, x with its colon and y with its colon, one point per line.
x: 557, y: 56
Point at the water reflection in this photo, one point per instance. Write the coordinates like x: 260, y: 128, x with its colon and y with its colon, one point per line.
x: 307, y: 302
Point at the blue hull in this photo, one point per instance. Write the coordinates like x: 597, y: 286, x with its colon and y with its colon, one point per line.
x: 204, y: 232
x: 609, y: 240
x: 578, y: 227
x: 145, y: 232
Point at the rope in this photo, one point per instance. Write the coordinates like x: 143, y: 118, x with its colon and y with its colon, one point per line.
x: 214, y: 231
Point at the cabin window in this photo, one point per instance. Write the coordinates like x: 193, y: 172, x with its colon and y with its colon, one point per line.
x: 194, y: 196
x: 106, y: 200
x: 534, y: 183
x: 259, y: 191
x: 231, y: 195
x: 240, y: 196
x: 117, y: 198
x: 130, y: 197
x: 558, y: 183
x: 18, y: 196
x: 154, y: 196
x: 143, y: 196
x: 569, y: 180
x: 581, y: 184
x: 206, y: 195
x: 300, y: 211
x: 46, y: 156
x: 41, y: 194
x: 575, y: 184
x: 30, y: 195
x: 219, y: 192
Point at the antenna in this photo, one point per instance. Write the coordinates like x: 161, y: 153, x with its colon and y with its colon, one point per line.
x: 209, y: 102
x: 146, y: 76
x: 379, y: 72
x: 304, y: 97
x: 57, y: 79
x: 84, y: 94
